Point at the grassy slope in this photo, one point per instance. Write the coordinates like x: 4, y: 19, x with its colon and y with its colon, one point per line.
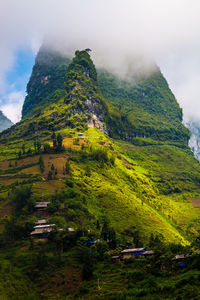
x: 129, y: 193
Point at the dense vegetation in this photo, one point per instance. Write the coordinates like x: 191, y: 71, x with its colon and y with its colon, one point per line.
x: 148, y: 104
x: 104, y: 193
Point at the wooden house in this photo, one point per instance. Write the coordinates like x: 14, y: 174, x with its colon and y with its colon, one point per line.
x: 115, y: 258
x: 41, y: 205
x: 71, y: 229
x: 147, y: 253
x: 132, y: 253
x: 42, y: 231
x: 41, y: 222
x: 181, y: 259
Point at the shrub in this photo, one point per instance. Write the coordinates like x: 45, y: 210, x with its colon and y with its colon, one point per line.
x: 135, y: 275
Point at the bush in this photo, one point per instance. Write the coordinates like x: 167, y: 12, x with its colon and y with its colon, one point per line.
x: 21, y: 197
x: 69, y: 182
x: 135, y: 275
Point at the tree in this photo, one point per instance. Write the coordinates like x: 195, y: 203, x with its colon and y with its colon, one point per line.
x: 108, y: 234
x: 50, y: 175
x: 53, y: 136
x: 136, y: 239
x: 68, y: 168
x: 35, y: 145
x: 19, y: 154
x: 38, y: 145
x: 21, y: 197
x: 41, y: 164
x: 112, y: 238
x: 86, y: 255
x: 47, y: 148
x: 23, y: 149
x: 105, y: 230
x: 59, y: 142
x: 29, y: 152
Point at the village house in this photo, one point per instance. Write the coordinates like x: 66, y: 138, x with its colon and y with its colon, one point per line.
x: 70, y: 229
x: 115, y: 258
x: 42, y: 230
x: 132, y: 253
x: 180, y: 259
x: 41, y: 205
x: 41, y: 222
x: 146, y: 253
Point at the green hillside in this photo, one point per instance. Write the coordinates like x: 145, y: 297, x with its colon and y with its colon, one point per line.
x: 111, y: 174
x: 148, y: 104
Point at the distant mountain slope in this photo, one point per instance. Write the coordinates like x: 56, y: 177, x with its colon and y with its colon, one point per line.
x: 194, y: 142
x: 4, y: 122
x: 148, y: 104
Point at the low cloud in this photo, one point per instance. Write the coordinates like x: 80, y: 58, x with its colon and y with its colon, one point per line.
x: 117, y: 30
x: 13, y: 105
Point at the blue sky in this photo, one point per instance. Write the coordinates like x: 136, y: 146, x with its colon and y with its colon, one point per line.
x: 21, y: 69
x: 15, y: 81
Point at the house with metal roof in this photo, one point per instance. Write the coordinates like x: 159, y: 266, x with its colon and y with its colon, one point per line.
x: 135, y: 252
x: 41, y: 205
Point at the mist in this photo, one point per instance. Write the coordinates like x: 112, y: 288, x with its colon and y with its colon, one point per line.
x: 120, y: 33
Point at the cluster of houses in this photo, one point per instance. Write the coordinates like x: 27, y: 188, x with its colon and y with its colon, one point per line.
x: 132, y: 253
x: 179, y: 259
x: 42, y: 228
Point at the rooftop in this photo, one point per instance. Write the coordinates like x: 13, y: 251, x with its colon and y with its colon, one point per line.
x: 40, y: 222
x: 41, y: 230
x: 150, y: 252
x: 41, y: 204
x: 133, y: 250
x: 44, y: 226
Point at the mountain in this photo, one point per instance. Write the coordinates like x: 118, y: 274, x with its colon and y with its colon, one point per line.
x: 194, y: 141
x: 47, y: 79
x: 111, y: 157
x: 148, y: 104
x: 4, y: 122
x: 162, y: 167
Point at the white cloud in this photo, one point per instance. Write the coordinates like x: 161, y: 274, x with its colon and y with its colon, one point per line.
x: 116, y: 30
x: 13, y: 106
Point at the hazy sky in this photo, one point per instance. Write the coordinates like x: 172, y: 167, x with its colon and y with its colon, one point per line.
x: 116, y: 30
